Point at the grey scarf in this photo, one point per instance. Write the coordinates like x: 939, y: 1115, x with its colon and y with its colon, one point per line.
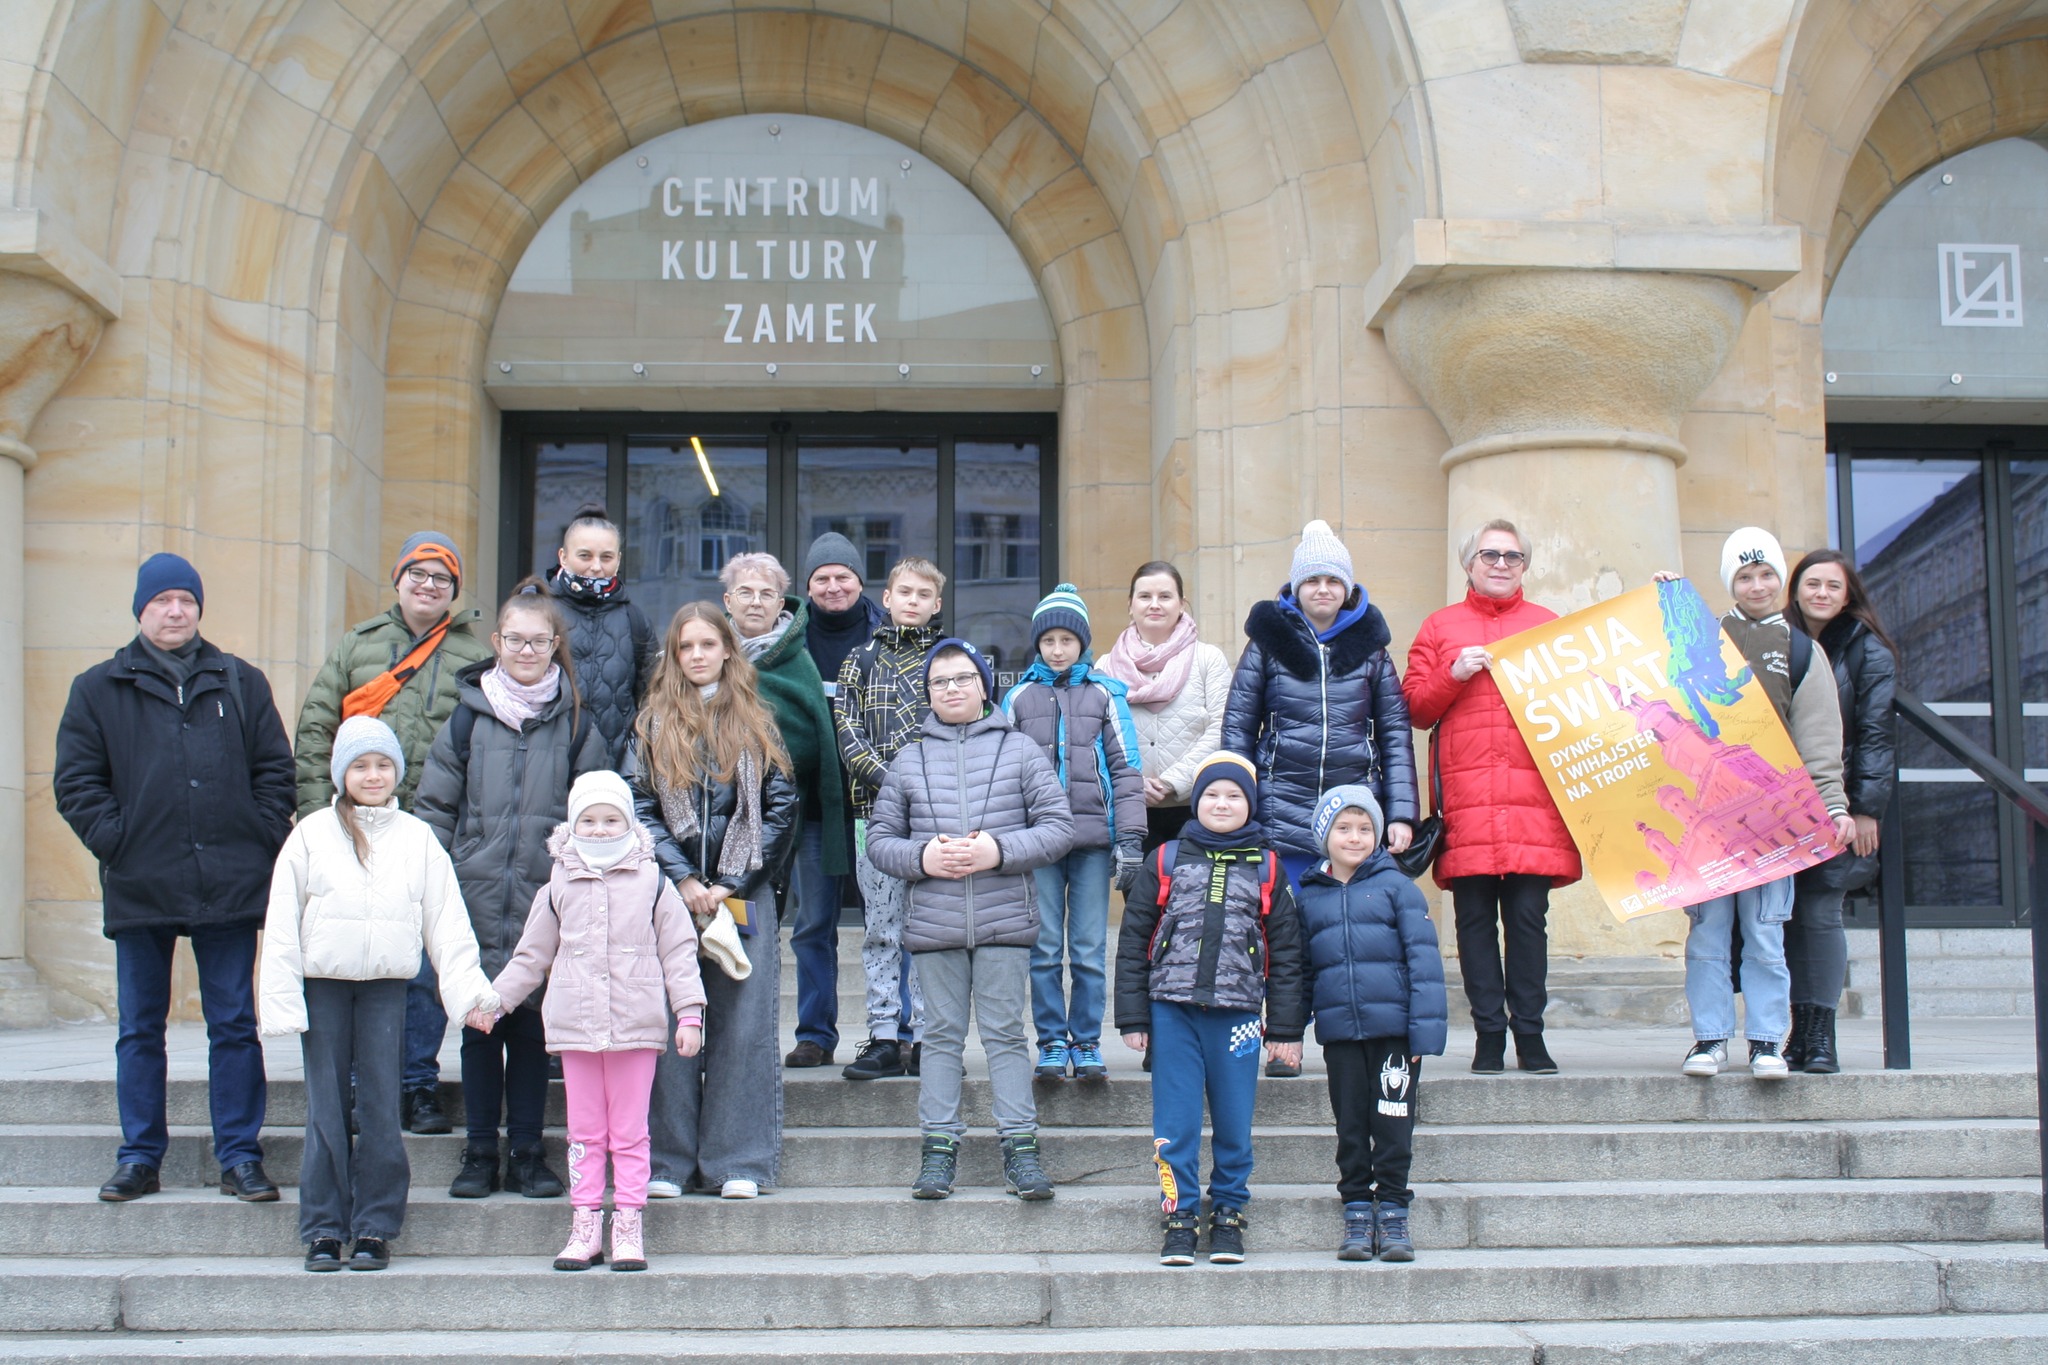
x: 740, y: 854
x: 754, y: 646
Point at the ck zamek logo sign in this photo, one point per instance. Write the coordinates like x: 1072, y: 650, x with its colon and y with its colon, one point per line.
x: 777, y: 258
x: 1980, y: 285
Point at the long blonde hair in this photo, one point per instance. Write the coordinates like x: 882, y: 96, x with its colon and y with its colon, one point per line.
x: 679, y: 732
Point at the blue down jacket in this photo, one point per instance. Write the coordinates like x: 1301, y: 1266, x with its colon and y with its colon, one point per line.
x: 1314, y: 715
x: 1373, y: 966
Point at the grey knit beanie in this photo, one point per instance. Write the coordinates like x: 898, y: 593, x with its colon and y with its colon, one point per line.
x: 1335, y: 802
x: 830, y: 548
x: 361, y: 735
x: 1320, y: 552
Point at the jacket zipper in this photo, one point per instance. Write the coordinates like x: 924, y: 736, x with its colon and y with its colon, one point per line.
x: 960, y: 786
x: 1323, y: 673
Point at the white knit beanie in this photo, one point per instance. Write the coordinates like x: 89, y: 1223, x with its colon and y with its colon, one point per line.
x: 1750, y: 545
x: 361, y: 735
x: 600, y: 789
x: 1320, y: 552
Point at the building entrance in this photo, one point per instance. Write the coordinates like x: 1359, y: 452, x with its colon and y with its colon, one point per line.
x: 973, y: 492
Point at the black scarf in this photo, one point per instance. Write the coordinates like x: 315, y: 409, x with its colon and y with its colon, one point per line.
x: 176, y: 664
x: 586, y: 589
x: 1250, y: 834
x: 832, y: 635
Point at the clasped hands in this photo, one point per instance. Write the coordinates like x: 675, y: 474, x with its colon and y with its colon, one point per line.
x: 954, y: 857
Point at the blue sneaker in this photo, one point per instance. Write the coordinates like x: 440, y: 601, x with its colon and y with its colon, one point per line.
x: 1052, y: 1061
x: 1088, y: 1063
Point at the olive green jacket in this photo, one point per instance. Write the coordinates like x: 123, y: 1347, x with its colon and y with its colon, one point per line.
x: 416, y: 714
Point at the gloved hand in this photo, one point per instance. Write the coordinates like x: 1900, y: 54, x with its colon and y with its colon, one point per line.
x: 1129, y: 858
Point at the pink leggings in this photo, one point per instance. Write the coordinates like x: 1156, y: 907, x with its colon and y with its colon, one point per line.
x: 608, y: 1096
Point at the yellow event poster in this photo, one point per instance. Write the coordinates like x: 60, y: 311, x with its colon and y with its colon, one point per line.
x: 1672, y: 770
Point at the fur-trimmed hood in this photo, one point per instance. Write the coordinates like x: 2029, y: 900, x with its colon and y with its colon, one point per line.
x: 1284, y: 633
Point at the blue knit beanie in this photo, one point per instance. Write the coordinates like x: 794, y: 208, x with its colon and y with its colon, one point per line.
x: 1320, y: 552
x: 1225, y: 766
x: 1335, y: 802
x: 163, y: 573
x: 1062, y: 609
x: 980, y: 661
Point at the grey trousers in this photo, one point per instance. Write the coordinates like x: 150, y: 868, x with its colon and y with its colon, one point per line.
x: 351, y: 1188
x: 996, y: 984
x: 717, y: 1116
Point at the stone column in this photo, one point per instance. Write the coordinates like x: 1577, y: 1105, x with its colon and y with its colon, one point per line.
x: 46, y: 333
x: 1563, y: 390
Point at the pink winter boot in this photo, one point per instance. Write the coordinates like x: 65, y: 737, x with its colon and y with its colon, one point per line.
x: 586, y: 1241
x: 627, y: 1252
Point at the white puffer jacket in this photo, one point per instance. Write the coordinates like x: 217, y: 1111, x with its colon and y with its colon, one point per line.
x: 1175, y: 737
x: 331, y: 916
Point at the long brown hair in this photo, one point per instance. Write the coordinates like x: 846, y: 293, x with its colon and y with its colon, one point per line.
x: 532, y: 595
x: 679, y: 732
x: 1858, y: 605
x: 345, y: 808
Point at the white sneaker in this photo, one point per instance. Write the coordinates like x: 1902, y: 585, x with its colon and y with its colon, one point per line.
x: 1765, y: 1064
x: 1707, y: 1057
x: 664, y: 1189
x: 747, y: 1189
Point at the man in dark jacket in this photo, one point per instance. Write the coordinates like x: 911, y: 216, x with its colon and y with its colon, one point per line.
x: 173, y: 769
x: 399, y: 667
x: 1317, y: 703
x: 964, y: 818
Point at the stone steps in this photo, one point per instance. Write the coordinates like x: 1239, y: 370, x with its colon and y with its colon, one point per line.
x: 75, y: 1154
x: 1019, y: 1289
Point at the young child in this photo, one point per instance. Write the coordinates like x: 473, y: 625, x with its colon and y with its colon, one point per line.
x: 1081, y: 721
x: 878, y: 707
x: 1210, y: 940
x: 1376, y: 986
x: 358, y: 890
x: 616, y: 945
x: 968, y: 813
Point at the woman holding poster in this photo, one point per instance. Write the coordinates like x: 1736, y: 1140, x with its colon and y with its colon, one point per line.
x: 1505, y: 846
x: 1800, y: 683
x: 1830, y: 604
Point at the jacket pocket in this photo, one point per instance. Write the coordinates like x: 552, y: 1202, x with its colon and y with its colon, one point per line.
x: 1161, y: 942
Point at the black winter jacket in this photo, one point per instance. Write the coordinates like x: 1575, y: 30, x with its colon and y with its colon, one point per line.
x: 1313, y: 716
x: 1243, y: 952
x: 494, y: 807
x: 183, y: 792
x: 1374, y: 969
x: 781, y: 810
x: 1866, y: 676
x: 614, y: 650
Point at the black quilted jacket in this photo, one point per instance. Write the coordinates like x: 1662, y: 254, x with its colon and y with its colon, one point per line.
x: 615, y: 650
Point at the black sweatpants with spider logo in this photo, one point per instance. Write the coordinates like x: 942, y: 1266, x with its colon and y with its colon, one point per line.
x: 1372, y: 1088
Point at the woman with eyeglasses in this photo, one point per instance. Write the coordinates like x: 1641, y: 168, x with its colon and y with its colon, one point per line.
x: 610, y: 639
x: 1504, y: 845
x: 496, y: 785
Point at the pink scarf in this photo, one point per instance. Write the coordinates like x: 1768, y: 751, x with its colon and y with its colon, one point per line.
x: 516, y: 703
x: 1155, y: 674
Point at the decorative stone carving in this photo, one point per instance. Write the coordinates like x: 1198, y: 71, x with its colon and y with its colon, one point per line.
x: 1617, y: 32
x: 46, y: 333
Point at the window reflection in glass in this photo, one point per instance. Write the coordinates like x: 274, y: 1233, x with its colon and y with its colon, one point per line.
x: 679, y: 534
x: 1921, y: 548
x: 2030, y: 578
x: 567, y: 474
x: 996, y: 548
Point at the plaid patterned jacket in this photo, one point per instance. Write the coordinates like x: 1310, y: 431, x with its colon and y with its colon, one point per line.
x: 880, y: 705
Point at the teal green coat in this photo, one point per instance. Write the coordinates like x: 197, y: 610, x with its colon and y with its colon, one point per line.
x: 794, y: 691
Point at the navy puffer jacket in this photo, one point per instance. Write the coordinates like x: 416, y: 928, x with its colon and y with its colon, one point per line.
x: 1314, y: 716
x: 1373, y: 966
x: 614, y: 649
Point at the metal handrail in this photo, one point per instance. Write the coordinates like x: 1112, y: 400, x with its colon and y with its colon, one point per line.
x: 2031, y: 802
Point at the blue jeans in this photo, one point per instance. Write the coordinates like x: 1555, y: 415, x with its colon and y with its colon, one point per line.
x: 236, y: 1090
x: 426, y: 1028
x: 1766, y: 981
x: 1198, y: 1051
x: 1073, y: 930
x: 814, y: 942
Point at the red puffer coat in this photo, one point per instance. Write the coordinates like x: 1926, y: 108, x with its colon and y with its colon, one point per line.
x: 1498, y: 815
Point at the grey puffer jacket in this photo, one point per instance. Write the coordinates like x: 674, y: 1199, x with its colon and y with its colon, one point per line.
x: 615, y: 650
x: 961, y: 779
x: 494, y: 801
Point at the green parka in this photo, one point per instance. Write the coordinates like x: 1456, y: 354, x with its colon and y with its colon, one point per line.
x: 795, y: 693
x: 416, y: 714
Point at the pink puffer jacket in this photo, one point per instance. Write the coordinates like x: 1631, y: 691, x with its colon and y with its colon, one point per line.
x: 615, y: 946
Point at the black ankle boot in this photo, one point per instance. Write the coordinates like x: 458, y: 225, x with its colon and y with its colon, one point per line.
x: 1490, y: 1057
x: 1796, y: 1043
x: 1821, y: 1057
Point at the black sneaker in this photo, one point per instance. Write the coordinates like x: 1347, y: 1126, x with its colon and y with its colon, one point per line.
x: 1226, y: 1235
x: 421, y: 1112
x: 371, y: 1253
x: 527, y: 1173
x: 479, y: 1174
x: 1182, y: 1227
x: 878, y: 1057
x: 324, y: 1254
x: 935, y: 1171
x: 1023, y: 1175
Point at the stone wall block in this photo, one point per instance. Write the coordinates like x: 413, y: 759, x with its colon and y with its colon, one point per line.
x: 1739, y: 39
x: 571, y: 107
x: 1065, y: 81
x: 703, y: 58
x: 634, y: 75
x: 1489, y: 126
x: 941, y: 23
x: 774, y: 49
x: 1452, y: 37
x: 598, y: 22
x: 532, y: 43
x: 908, y: 81
x: 971, y: 111
x: 1001, y: 39
x: 1621, y: 32
x: 518, y: 154
x: 843, y: 58
x: 1678, y: 147
x: 1023, y: 159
